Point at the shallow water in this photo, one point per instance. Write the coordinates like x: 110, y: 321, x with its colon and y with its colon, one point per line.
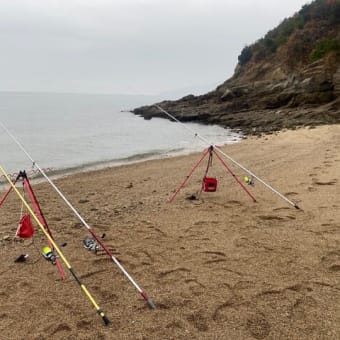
x: 74, y: 131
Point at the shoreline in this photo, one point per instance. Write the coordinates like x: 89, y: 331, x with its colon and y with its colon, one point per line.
x: 56, y: 173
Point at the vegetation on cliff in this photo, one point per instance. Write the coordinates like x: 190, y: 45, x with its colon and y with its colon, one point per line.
x: 320, y: 14
x: 288, y: 78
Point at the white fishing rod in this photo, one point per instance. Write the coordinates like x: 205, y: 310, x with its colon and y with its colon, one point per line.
x: 228, y: 157
x: 97, y: 238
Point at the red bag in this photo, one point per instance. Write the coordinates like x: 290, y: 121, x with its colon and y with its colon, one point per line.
x: 209, y: 184
x: 25, y: 229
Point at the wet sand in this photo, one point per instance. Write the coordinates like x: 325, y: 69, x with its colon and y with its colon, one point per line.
x: 221, y: 267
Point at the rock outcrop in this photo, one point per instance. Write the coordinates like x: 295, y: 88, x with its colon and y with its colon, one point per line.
x: 279, y: 89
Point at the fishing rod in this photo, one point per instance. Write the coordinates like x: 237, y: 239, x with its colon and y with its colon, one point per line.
x: 59, y: 252
x: 228, y: 157
x: 90, y: 230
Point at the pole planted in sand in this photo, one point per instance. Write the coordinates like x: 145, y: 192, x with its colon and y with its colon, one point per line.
x: 57, y: 249
x: 97, y: 238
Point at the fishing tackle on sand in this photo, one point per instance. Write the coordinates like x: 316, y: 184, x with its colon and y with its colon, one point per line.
x: 49, y: 254
x: 57, y: 249
x: 76, y: 213
x: 90, y: 244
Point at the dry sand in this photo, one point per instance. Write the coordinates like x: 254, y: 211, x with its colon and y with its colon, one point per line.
x: 221, y: 267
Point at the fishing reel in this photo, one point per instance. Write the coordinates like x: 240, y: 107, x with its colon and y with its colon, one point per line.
x: 249, y: 180
x: 90, y: 244
x: 49, y: 255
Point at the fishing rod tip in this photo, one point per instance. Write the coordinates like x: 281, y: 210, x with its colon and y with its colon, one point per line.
x: 151, y: 304
x: 106, y: 320
x: 148, y: 300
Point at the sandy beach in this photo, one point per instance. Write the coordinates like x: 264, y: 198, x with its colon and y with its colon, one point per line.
x: 221, y: 267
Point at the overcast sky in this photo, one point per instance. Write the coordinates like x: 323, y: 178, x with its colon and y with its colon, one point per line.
x: 129, y: 46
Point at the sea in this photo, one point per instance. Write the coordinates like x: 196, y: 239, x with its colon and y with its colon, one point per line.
x: 64, y: 133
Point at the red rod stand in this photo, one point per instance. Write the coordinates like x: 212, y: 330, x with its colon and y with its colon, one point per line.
x: 188, y: 176
x: 211, y: 150
x: 37, y: 210
x: 41, y: 218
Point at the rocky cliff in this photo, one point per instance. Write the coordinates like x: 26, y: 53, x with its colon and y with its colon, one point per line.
x: 289, y: 78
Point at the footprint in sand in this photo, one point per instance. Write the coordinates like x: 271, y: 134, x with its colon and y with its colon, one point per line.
x: 243, y: 285
x: 222, y: 311
x: 234, y: 202
x: 334, y: 268
x: 217, y: 253
x: 3, y: 316
x: 311, y: 189
x: 84, y: 324
x: 258, y: 326
x: 302, y: 306
x: 282, y: 208
x: 195, y: 287
x: 144, y: 258
x: 331, y: 182
x: 330, y: 228
x: 173, y: 273
x: 159, y: 231
x: 210, y: 262
x: 270, y: 218
x: 175, y: 325
x: 291, y: 194
x: 24, y: 284
x: 100, y: 260
x: 199, y: 320
x: 56, y: 219
x: 217, y: 257
x: 106, y: 294
x: 92, y: 273
x: 61, y: 328
x: 331, y: 261
x: 242, y: 242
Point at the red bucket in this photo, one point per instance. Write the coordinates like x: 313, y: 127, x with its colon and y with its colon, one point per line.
x: 209, y: 184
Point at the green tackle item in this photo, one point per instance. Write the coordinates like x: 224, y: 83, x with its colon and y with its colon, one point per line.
x: 49, y: 254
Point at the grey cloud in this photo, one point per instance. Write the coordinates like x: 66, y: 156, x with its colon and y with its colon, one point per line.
x: 128, y: 46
